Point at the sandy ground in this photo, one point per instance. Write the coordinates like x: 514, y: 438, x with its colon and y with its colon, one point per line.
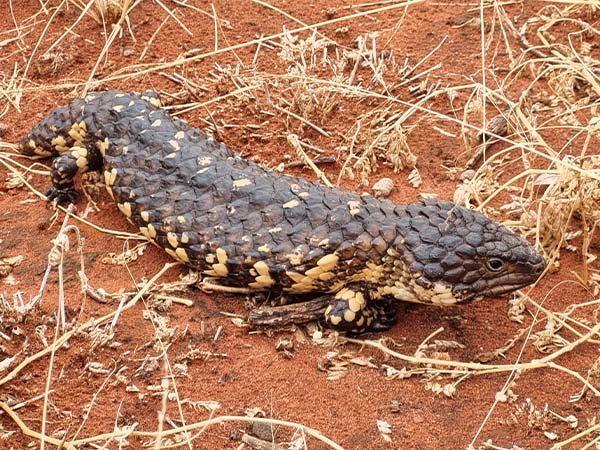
x: 195, y: 362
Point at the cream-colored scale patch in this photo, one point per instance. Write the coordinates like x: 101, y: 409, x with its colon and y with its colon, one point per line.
x: 185, y: 238
x: 443, y: 295
x: 262, y: 268
x: 334, y: 320
x: 118, y: 108
x: 241, y: 183
x: 221, y: 256
x: 399, y: 292
x: 151, y: 231
x: 393, y: 253
x: 303, y: 194
x: 41, y: 151
x: 144, y: 231
x: 275, y: 230
x: 172, y: 253
x: 357, y: 302
x: 110, y: 191
x: 263, y: 279
x: 205, y: 160
x: 210, y: 258
x: 175, y: 144
x: 345, y: 294
x: 371, y: 273
x: 110, y: 177
x: 75, y: 135
x: 205, y: 169
x: 181, y: 219
x: 264, y: 248
x: 171, y: 155
x: 314, y: 272
x: 295, y: 276
x: 153, y: 101
x: 353, y: 205
x: 80, y: 153
x: 306, y: 284
x: 145, y: 216
x: 180, y: 134
x: 180, y: 252
x: 328, y: 262
x: 156, y: 123
x: 60, y: 144
x: 102, y: 146
x: 172, y: 238
x: 422, y: 294
x: 349, y: 315
x: 220, y: 269
x: 291, y: 204
x: 326, y: 276
x: 262, y: 282
x: 78, y: 132
x: 125, y: 208
x: 295, y: 259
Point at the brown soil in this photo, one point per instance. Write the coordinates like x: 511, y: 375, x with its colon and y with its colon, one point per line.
x: 225, y: 362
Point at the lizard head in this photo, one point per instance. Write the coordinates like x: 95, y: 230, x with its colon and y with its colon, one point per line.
x: 454, y: 254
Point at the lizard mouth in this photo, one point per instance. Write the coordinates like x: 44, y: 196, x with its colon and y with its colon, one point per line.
x: 505, y: 284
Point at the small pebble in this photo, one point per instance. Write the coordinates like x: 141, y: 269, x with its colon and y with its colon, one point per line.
x: 128, y: 52
x: 263, y: 431
x: 418, y: 418
x: 383, y: 187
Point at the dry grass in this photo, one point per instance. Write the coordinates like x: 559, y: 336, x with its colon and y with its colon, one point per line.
x: 550, y: 193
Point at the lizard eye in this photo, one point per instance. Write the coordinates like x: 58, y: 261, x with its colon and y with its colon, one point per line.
x: 494, y: 264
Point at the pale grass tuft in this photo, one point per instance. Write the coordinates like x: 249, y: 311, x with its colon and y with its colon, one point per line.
x: 105, y: 11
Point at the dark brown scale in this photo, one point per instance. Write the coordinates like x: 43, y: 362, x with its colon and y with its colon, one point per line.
x: 248, y: 226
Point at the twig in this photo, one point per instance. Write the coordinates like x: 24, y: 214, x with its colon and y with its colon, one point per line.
x: 29, y: 432
x: 205, y: 424
x: 151, y: 40
x: 260, y: 444
x: 294, y: 142
x: 480, y: 369
x: 301, y: 312
x: 301, y: 119
x: 317, y: 160
x: 83, y: 327
x: 175, y: 18
x: 215, y: 26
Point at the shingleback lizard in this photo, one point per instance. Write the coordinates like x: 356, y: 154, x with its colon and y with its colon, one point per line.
x: 248, y: 226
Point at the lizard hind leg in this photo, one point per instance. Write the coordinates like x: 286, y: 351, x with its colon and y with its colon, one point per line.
x: 350, y: 311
